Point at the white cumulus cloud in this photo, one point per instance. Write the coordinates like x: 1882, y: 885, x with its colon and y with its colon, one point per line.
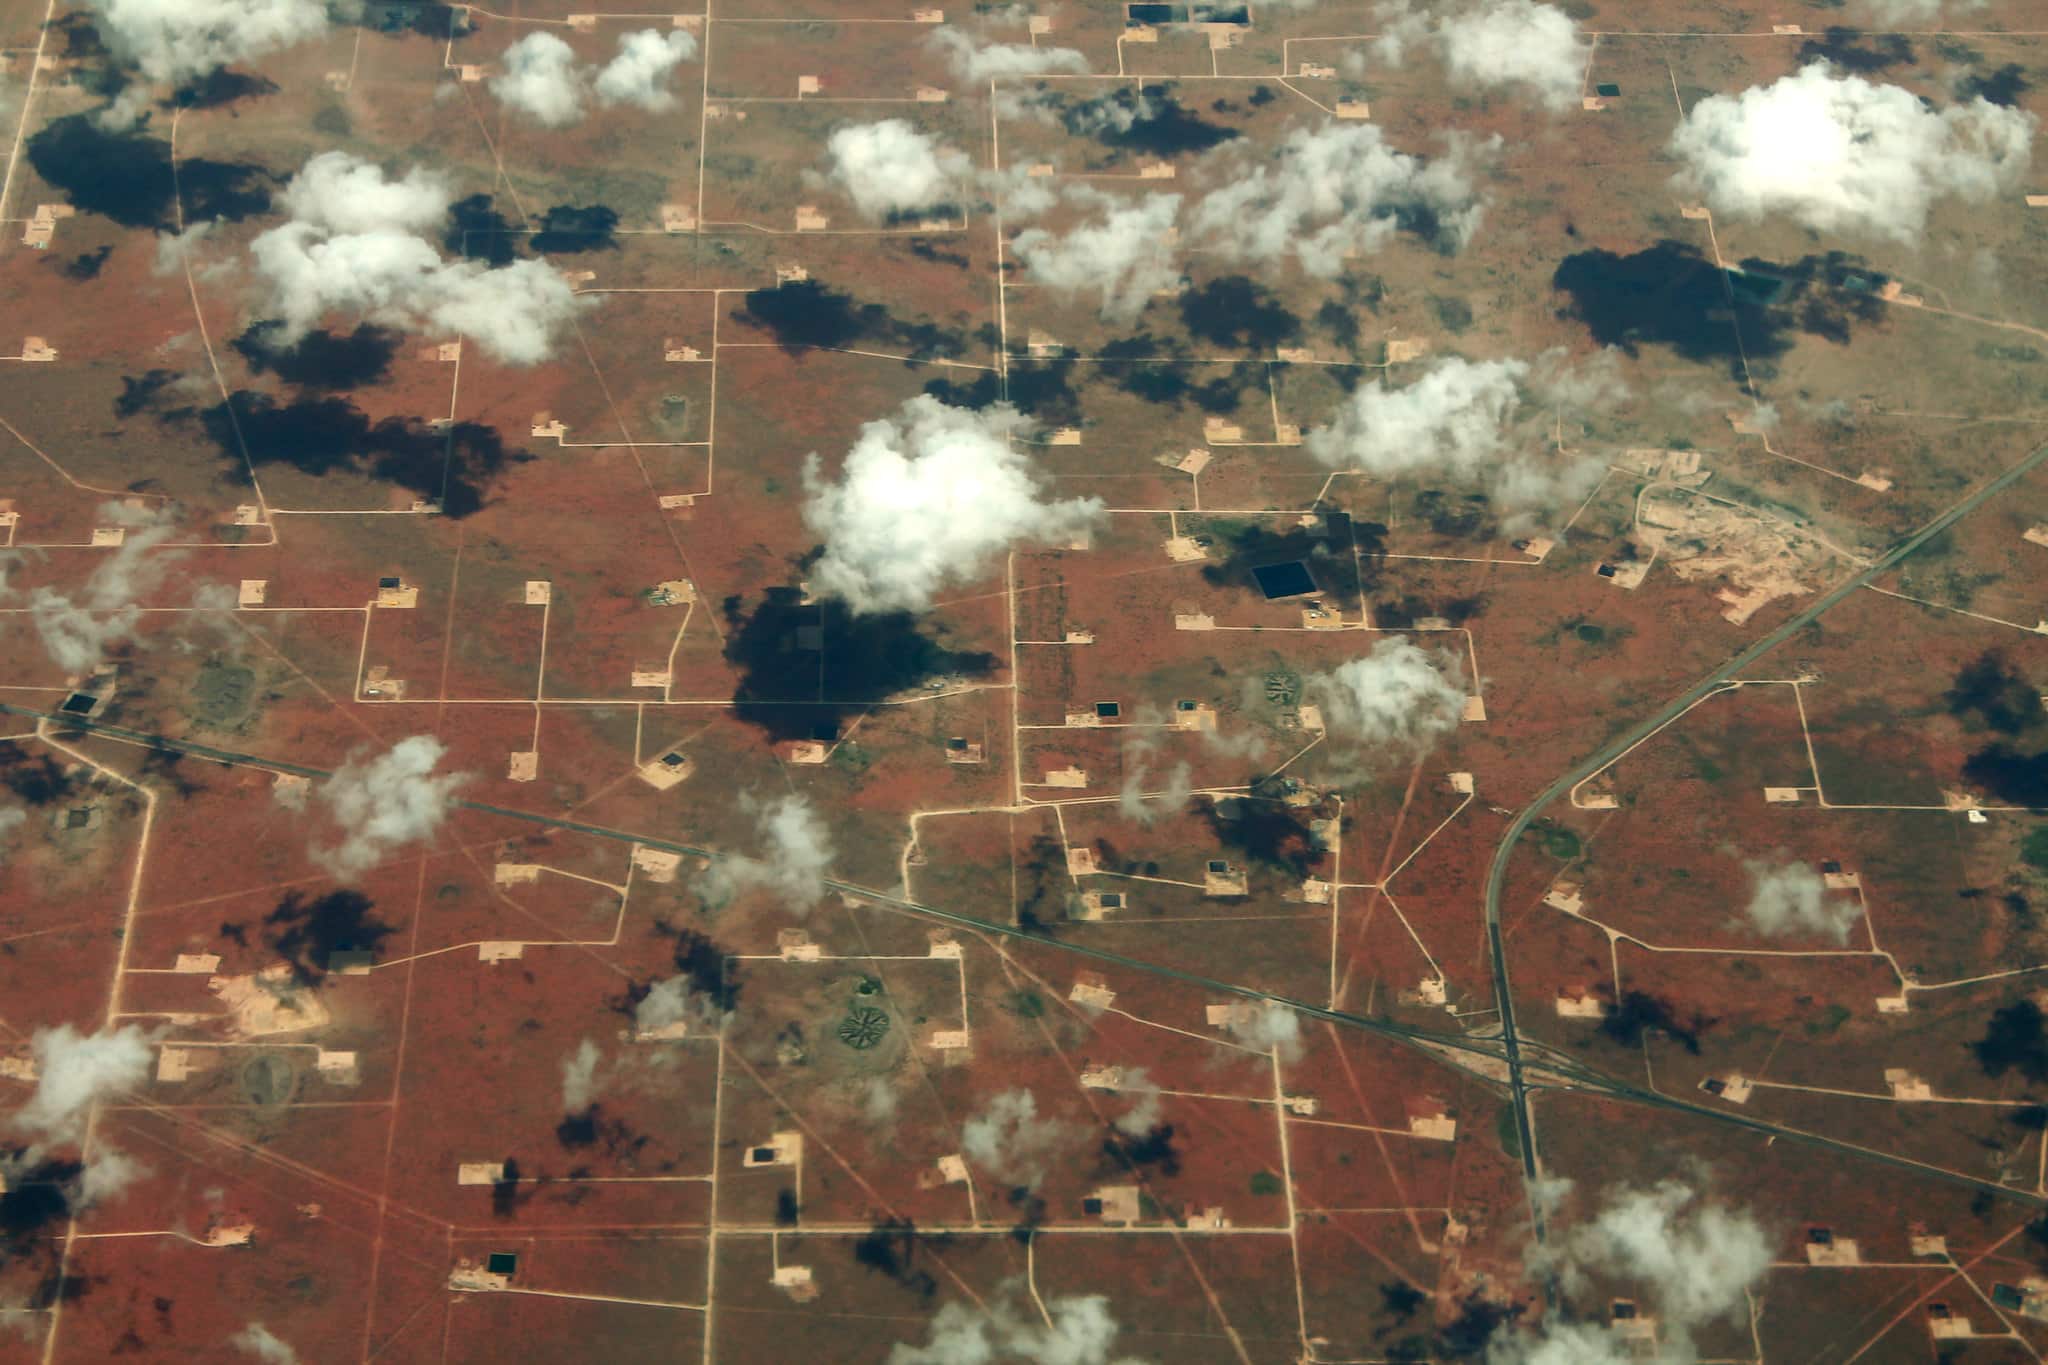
x: 74, y: 1069
x: 356, y: 243
x: 77, y: 630
x: 1126, y: 254
x: 1792, y: 898
x: 1456, y: 422
x: 1397, y: 696
x: 639, y: 75
x: 1840, y: 153
x: 541, y: 80
x: 179, y: 40
x: 1332, y: 191
x: 795, y: 856
x: 579, y: 1078
x: 927, y: 497
x: 544, y: 80
x: 1694, y: 1261
x: 892, y: 168
x: 1493, y: 43
x: 383, y: 803
x: 1268, y: 1028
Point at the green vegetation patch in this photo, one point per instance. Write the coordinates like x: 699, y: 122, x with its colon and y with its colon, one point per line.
x: 1559, y: 842
x: 1265, y: 1182
x: 2034, y: 848
x: 1508, y: 1132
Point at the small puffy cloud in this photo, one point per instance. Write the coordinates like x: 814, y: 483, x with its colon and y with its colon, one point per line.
x: 928, y: 497
x: 879, y: 1101
x: 796, y: 854
x: 174, y: 41
x: 1266, y: 1027
x: 358, y: 241
x: 892, y: 168
x: 1081, y: 1332
x: 639, y: 75
x: 78, y: 630
x: 579, y: 1078
x: 384, y: 803
x: 1455, y: 423
x: 1126, y: 254
x: 1452, y: 420
x: 1399, y: 696
x: 1007, y: 1138
x: 672, y: 1001
x: 75, y: 1069
x: 1145, y: 795
x: 541, y: 80
x: 106, y: 1175
x: 1846, y: 154
x: 1517, y: 42
x: 1331, y: 191
x: 259, y: 1341
x: 12, y: 818
x: 1792, y: 898
x: 976, y: 62
x: 1143, y: 1093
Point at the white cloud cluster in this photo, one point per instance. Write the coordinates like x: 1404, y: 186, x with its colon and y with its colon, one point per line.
x: 75, y: 1069
x: 1081, y: 1332
x: 1846, y: 154
x: 1495, y: 43
x: 78, y: 631
x: 1332, y: 191
x: 12, y: 818
x: 579, y: 1078
x: 1267, y: 1027
x: 975, y: 62
x: 264, y: 1344
x: 1696, y: 1263
x: 180, y: 40
x: 671, y: 1001
x: 891, y: 168
x: 1792, y: 898
x: 355, y: 243
x: 797, y: 853
x: 1398, y: 696
x: 1454, y: 422
x: 1007, y: 1138
x: 384, y: 803
x: 1126, y: 254
x: 543, y: 80
x: 928, y: 497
